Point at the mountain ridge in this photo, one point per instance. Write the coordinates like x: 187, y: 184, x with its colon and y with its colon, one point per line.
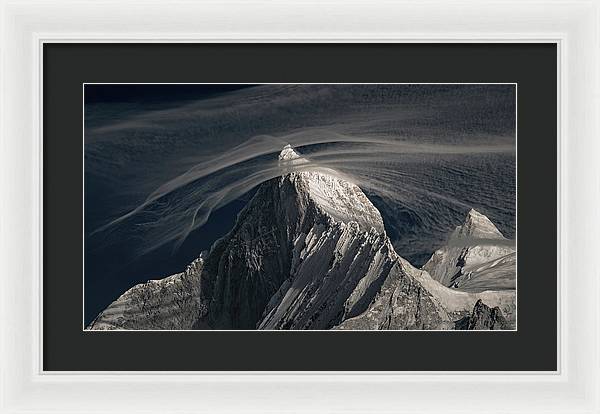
x: 473, y: 243
x: 310, y: 251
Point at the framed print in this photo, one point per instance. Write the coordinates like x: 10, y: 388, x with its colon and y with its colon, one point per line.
x: 311, y: 219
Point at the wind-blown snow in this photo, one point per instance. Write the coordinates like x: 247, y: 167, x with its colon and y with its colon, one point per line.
x: 338, y: 197
x: 424, y: 154
x: 464, y: 251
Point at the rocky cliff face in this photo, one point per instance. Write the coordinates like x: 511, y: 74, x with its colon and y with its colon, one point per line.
x: 309, y: 251
x: 483, y: 318
x: 402, y: 302
x: 169, y: 303
x: 343, y: 272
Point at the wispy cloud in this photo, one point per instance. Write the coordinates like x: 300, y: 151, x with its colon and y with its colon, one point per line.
x: 194, y: 158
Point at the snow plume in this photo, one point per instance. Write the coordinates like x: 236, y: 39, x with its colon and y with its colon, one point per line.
x: 424, y: 154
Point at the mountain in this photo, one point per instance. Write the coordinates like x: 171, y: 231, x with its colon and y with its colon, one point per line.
x: 477, y: 257
x: 309, y: 251
x: 483, y: 318
x: 169, y: 303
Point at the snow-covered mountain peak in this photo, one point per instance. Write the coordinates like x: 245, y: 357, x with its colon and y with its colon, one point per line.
x: 288, y: 153
x: 474, y: 243
x: 478, y: 225
x: 330, y: 191
x: 342, y: 200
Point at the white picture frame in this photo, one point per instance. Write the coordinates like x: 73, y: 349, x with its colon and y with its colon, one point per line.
x: 27, y: 25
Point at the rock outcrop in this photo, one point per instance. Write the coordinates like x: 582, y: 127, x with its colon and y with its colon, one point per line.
x: 483, y: 318
x: 169, y: 303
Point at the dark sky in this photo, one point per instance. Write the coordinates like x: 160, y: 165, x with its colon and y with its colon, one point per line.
x: 148, y: 94
x: 424, y: 154
x: 109, y: 268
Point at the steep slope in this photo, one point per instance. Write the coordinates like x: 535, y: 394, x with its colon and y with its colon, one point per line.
x: 402, y: 302
x: 307, y: 252
x: 169, y: 303
x: 338, y: 273
x: 497, y: 274
x: 483, y: 318
x: 474, y: 243
x: 459, y: 303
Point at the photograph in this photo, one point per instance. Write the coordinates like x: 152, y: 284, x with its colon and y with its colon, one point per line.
x: 300, y: 206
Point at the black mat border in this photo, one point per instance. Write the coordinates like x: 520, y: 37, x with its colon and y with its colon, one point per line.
x: 532, y: 348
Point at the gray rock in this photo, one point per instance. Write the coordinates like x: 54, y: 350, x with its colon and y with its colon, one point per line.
x: 401, y: 303
x: 169, y: 303
x: 483, y: 318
